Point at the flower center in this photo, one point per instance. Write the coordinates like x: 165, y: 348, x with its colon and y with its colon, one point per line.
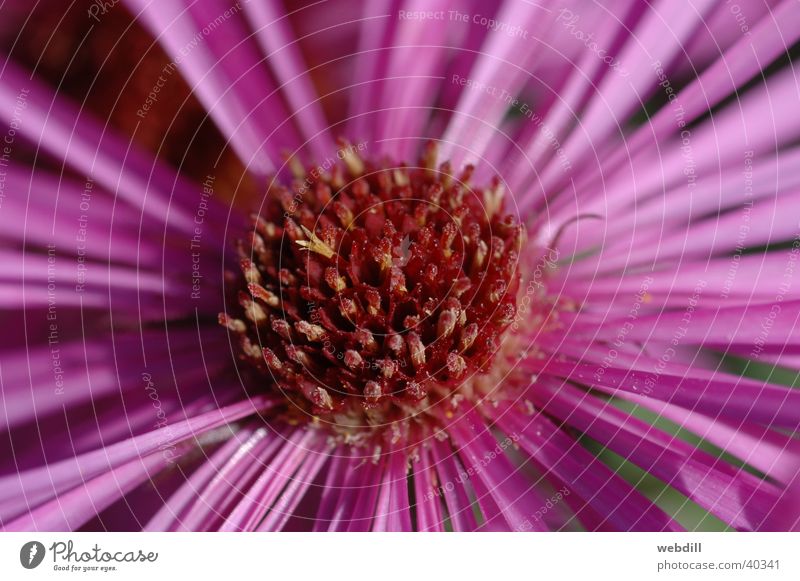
x: 370, y: 292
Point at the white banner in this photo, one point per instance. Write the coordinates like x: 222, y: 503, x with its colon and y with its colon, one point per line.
x: 401, y: 556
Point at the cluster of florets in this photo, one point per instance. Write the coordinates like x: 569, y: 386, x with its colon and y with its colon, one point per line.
x: 369, y: 289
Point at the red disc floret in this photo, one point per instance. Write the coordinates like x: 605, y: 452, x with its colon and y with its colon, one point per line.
x: 368, y: 289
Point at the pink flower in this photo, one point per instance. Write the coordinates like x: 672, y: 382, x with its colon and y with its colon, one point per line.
x: 514, y: 266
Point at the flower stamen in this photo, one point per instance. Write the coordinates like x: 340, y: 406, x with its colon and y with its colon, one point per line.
x: 374, y: 292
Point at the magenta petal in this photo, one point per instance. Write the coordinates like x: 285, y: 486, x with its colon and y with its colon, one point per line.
x: 223, y: 71
x: 175, y: 507
x: 453, y: 487
x: 57, y: 127
x: 733, y: 495
x: 291, y: 497
x: 392, y: 512
x: 258, y: 498
x: 428, y: 506
x: 73, y: 508
x: 32, y: 487
x: 602, y: 491
x: 518, y: 500
x: 274, y: 34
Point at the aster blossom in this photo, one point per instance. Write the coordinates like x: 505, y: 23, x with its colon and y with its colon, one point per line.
x: 401, y: 266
